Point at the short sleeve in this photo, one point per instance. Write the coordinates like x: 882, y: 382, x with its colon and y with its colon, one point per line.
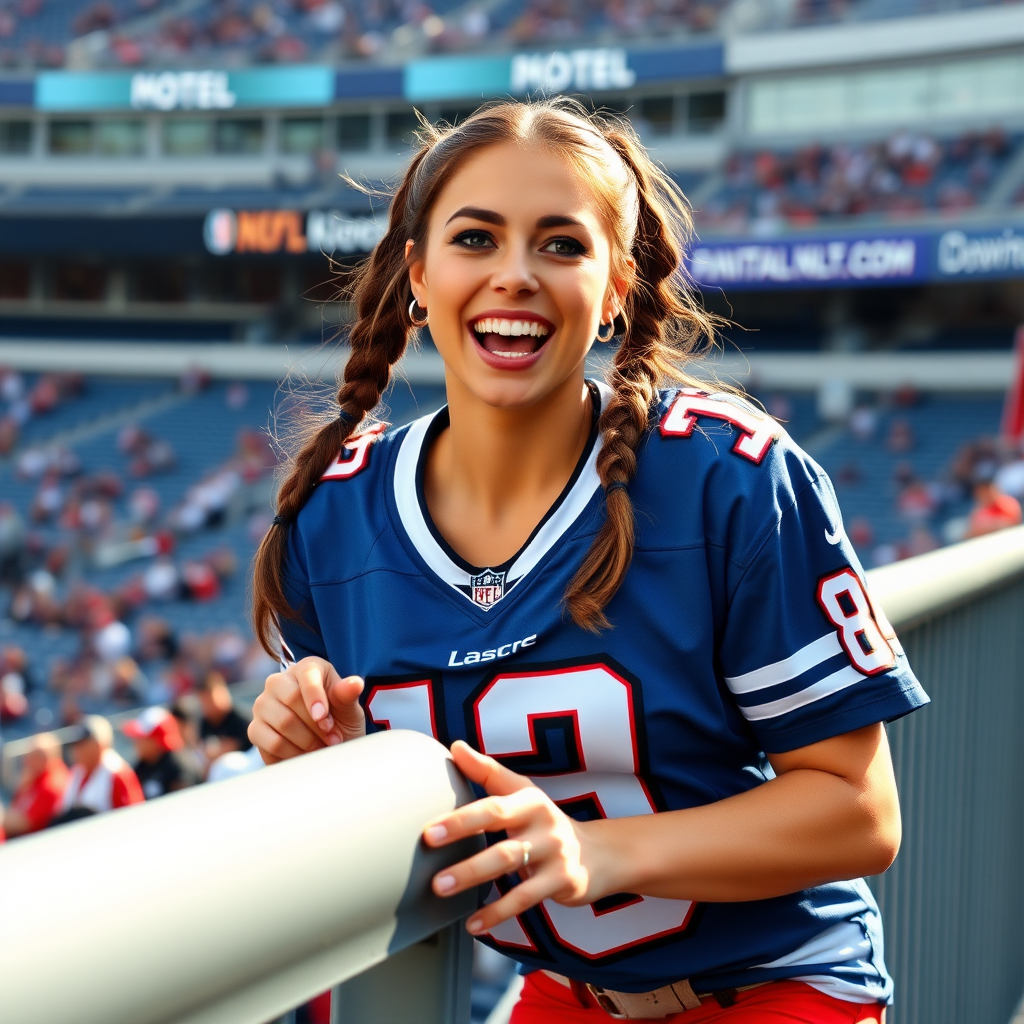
x: 805, y: 654
x: 300, y: 636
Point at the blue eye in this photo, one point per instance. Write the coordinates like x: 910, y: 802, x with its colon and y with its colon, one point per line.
x: 473, y: 239
x: 565, y: 247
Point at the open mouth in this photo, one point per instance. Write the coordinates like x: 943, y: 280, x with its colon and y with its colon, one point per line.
x: 511, y: 338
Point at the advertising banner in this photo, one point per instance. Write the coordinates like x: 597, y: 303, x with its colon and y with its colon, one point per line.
x: 289, y: 231
x: 298, y: 85
x: 588, y: 69
x: 971, y: 254
x: 816, y: 262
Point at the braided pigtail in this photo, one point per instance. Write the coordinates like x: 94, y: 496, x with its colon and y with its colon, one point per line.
x: 662, y: 323
x: 378, y: 339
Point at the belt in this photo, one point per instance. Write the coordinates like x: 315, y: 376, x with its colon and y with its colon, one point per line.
x: 677, y: 997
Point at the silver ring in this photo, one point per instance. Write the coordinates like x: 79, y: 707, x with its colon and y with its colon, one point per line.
x: 526, y: 854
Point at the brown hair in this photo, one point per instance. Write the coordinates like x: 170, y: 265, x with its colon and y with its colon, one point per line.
x: 660, y: 324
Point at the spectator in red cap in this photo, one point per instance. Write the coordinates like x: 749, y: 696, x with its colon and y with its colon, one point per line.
x: 44, y: 777
x: 161, y: 768
x: 101, y: 779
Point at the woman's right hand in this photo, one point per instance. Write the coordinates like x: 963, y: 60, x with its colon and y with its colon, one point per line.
x: 304, y: 708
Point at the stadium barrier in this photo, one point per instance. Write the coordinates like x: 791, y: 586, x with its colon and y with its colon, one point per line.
x: 233, y: 902
x: 954, y: 372
x: 953, y: 901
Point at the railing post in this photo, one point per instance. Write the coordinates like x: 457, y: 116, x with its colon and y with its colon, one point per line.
x: 428, y: 983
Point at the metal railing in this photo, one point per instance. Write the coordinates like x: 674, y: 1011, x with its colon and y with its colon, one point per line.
x: 953, y: 903
x: 232, y: 903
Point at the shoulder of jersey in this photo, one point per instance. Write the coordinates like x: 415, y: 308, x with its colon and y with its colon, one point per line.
x: 715, y: 426
x: 363, y: 455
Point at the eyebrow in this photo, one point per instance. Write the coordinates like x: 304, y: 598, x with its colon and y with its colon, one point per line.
x: 552, y: 220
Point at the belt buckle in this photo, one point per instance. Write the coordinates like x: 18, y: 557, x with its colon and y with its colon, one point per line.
x: 606, y: 1002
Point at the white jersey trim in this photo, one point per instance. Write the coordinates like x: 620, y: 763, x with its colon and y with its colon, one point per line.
x: 434, y: 555
x: 804, y: 660
x: 840, y: 944
x: 823, y: 688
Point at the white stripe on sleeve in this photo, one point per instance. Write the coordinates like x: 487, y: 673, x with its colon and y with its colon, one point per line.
x: 806, y: 658
x: 823, y: 688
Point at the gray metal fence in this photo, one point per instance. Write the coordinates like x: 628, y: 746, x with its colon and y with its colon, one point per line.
x: 953, y: 903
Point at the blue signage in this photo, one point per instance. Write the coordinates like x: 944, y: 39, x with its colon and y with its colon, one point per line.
x: 586, y: 70
x: 813, y: 262
x: 299, y: 85
x: 967, y: 255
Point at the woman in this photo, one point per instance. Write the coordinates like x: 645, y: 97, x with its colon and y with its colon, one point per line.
x: 632, y: 612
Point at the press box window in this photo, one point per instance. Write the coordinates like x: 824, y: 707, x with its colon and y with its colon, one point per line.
x: 14, y: 280
x: 705, y: 111
x: 15, y: 137
x: 239, y: 135
x: 187, y: 137
x: 658, y: 114
x: 71, y: 138
x: 401, y: 125
x: 301, y: 135
x: 79, y: 282
x: 120, y: 138
x: 354, y: 132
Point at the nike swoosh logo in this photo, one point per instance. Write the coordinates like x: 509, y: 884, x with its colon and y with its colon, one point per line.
x: 834, y: 538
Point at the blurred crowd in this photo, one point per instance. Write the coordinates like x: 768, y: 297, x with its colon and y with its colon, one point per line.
x: 58, y: 550
x: 167, y: 33
x: 978, y: 491
x: 907, y: 173
x: 195, y: 740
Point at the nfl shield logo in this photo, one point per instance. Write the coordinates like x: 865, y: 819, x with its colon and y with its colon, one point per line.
x: 488, y: 588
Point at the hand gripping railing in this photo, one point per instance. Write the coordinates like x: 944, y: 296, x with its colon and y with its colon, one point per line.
x: 232, y: 903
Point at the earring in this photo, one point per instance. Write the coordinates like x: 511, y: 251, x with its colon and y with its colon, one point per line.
x: 412, y: 315
x: 601, y: 336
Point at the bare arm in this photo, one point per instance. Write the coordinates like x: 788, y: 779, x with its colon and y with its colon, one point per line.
x: 831, y: 813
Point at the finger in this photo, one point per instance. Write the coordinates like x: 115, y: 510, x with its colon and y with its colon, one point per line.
x: 517, y: 900
x: 273, y: 747
x: 485, y: 771
x: 312, y: 676
x: 491, y: 814
x: 343, y: 697
x: 284, y: 721
x: 502, y: 858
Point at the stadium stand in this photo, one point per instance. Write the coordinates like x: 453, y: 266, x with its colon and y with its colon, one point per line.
x: 131, y: 511
x: 131, y: 33
x: 899, y: 177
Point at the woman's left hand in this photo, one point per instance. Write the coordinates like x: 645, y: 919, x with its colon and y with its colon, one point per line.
x: 544, y: 844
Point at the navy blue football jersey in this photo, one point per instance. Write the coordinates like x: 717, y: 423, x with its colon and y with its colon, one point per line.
x: 742, y: 627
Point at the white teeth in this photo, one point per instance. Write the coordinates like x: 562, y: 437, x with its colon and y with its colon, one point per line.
x: 510, y: 328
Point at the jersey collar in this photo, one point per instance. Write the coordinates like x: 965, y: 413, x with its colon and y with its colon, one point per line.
x: 559, y: 519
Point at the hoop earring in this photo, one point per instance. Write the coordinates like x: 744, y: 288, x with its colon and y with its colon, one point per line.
x: 412, y: 315
x: 611, y: 331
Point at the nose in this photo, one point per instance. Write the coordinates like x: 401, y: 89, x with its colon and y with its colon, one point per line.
x: 513, y: 274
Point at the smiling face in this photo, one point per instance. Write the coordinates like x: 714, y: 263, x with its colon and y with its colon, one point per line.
x: 516, y: 274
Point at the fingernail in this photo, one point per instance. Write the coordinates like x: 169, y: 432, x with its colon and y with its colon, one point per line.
x: 436, y: 833
x: 333, y: 739
x: 444, y: 883
x: 327, y: 723
x: 474, y: 927
x: 317, y: 711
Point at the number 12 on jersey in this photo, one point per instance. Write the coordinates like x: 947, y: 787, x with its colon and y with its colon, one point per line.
x: 591, y: 707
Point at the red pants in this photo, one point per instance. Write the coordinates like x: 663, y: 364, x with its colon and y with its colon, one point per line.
x: 546, y: 1001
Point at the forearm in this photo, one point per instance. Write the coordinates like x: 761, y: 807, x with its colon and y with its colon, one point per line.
x: 801, y: 829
